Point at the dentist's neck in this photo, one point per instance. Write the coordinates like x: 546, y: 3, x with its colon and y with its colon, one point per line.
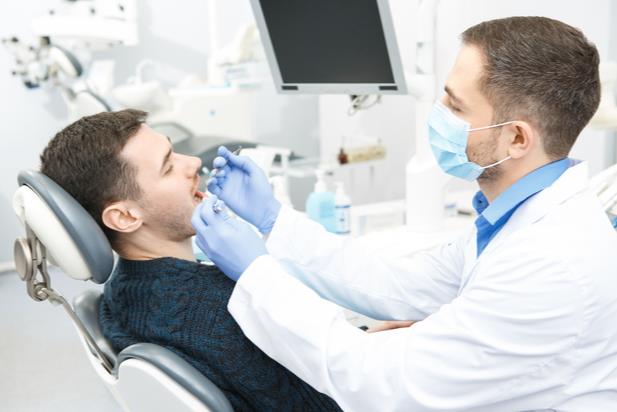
x: 509, y: 173
x: 492, y: 188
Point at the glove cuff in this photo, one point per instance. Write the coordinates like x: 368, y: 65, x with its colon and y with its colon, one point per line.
x: 272, y: 214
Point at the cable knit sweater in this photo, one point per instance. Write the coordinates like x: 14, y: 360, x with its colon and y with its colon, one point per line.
x: 182, y: 305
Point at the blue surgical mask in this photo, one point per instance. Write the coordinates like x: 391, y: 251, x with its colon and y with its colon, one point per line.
x: 448, y: 136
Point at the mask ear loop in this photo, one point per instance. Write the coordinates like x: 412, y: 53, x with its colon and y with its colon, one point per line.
x: 490, y: 127
x: 496, y: 163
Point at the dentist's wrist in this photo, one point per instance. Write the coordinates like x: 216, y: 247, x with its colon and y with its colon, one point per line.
x: 272, y: 214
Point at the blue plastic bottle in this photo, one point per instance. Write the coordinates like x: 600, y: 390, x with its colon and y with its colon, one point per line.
x: 342, y: 213
x: 320, y: 205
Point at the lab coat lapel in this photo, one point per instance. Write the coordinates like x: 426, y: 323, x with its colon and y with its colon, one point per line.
x: 572, y: 182
x: 471, y: 252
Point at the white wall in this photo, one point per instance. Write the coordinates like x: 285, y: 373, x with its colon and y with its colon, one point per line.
x: 175, y: 37
x: 29, y: 119
x: 393, y: 121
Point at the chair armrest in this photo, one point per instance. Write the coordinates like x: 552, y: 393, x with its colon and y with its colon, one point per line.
x: 180, y: 371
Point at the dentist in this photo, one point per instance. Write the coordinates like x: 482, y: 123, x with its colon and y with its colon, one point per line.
x: 518, y: 314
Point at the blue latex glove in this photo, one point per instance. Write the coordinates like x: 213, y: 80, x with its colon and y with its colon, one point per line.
x: 230, y: 243
x: 245, y: 189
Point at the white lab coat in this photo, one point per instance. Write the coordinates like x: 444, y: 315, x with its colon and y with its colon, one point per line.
x: 531, y: 324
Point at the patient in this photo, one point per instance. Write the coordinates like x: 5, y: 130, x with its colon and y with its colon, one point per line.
x: 142, y: 195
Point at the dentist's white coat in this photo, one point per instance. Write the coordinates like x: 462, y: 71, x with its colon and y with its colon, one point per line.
x: 530, y: 324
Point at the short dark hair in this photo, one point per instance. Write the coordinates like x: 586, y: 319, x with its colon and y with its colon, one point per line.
x: 83, y: 158
x: 539, y: 70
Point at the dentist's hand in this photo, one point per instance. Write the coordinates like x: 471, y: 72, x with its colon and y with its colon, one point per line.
x: 230, y: 243
x: 244, y: 187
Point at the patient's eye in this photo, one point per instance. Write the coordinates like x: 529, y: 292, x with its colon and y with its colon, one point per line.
x: 169, y: 169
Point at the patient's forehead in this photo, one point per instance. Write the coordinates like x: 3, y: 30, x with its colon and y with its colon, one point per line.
x: 146, y: 150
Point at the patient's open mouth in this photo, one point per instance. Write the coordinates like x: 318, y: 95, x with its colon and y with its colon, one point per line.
x: 199, y: 196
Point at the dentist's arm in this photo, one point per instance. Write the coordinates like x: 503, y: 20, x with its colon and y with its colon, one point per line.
x: 475, y: 354
x: 343, y: 271
x: 340, y: 270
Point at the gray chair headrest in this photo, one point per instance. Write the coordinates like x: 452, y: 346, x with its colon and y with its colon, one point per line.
x: 71, y: 236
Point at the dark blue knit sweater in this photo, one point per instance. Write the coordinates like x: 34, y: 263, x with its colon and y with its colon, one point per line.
x: 182, y: 305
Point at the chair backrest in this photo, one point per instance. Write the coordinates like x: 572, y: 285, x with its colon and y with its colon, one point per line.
x: 86, y: 307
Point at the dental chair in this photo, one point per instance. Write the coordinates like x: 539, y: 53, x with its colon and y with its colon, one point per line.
x: 142, y: 377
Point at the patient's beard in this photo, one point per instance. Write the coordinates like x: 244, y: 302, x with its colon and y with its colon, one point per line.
x: 178, y: 229
x: 169, y: 223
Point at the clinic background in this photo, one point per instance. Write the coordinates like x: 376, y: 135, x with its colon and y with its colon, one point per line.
x: 175, y: 36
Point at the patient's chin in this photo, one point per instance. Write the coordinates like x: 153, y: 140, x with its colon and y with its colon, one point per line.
x: 187, y: 231
x: 171, y: 222
x: 176, y: 231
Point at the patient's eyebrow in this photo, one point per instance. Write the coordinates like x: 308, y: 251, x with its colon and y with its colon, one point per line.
x: 167, y: 156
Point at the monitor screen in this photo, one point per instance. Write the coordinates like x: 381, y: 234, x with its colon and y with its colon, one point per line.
x: 333, y: 41
x: 329, y: 42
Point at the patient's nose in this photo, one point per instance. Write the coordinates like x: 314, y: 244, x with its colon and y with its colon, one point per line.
x: 197, y: 162
x: 193, y: 165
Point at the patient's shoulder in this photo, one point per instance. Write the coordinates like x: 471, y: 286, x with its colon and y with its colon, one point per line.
x: 167, y: 279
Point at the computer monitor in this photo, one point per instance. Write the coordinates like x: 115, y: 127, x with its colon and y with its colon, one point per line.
x: 330, y: 46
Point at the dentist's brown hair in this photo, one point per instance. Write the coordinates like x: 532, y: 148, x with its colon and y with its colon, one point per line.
x: 539, y: 70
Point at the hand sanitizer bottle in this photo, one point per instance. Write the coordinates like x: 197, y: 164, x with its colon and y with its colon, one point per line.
x: 320, y: 204
x: 342, y: 206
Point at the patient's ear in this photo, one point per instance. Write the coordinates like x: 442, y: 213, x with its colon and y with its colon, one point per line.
x: 122, y: 217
